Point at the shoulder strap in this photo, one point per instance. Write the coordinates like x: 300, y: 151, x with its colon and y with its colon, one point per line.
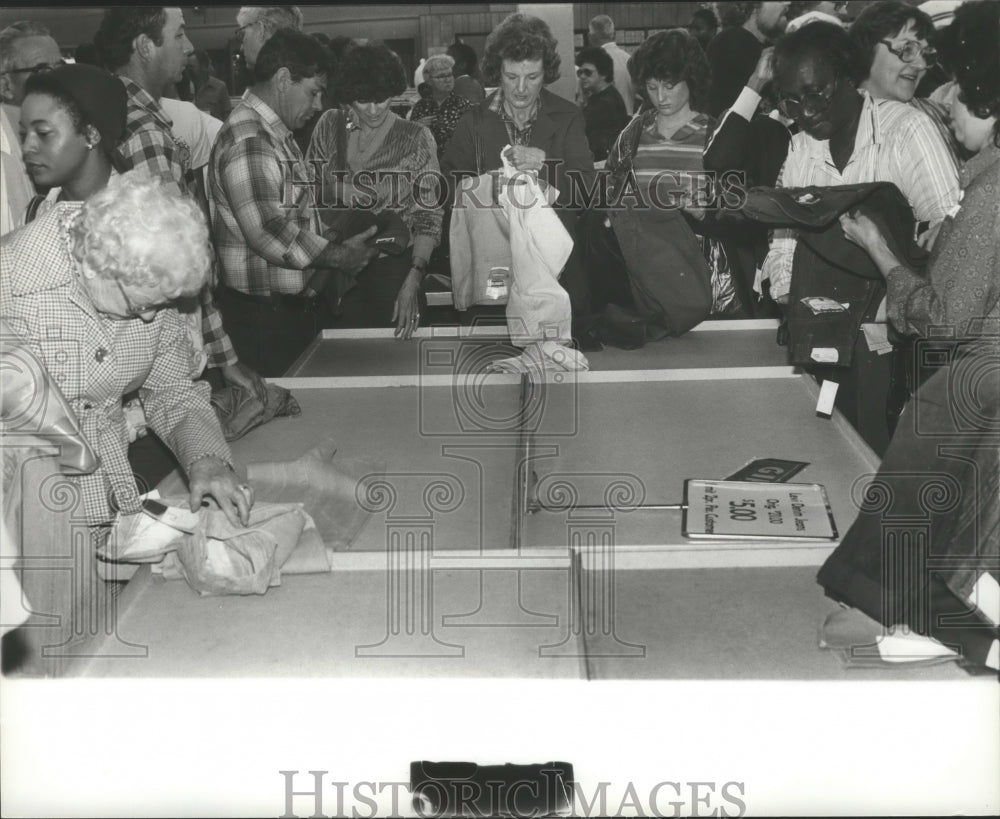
x: 477, y: 135
x: 32, y: 210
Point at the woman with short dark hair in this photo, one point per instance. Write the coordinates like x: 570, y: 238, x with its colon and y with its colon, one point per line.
x: 391, y: 164
x: 603, y: 107
x: 661, y: 150
x: 895, y: 49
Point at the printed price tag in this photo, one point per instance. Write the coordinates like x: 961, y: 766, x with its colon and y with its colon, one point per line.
x: 757, y: 511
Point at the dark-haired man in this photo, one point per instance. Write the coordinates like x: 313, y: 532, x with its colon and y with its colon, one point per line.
x: 603, y: 107
x: 465, y: 66
x: 147, y: 47
x: 273, y: 258
x: 735, y: 50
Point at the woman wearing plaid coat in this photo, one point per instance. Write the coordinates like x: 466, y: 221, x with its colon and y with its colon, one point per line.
x: 96, y: 289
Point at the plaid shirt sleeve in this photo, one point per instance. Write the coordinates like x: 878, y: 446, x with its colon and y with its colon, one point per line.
x: 177, y: 408
x: 218, y: 347
x: 252, y: 181
x: 151, y: 151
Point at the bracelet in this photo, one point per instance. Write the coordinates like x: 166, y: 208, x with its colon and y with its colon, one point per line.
x: 205, y: 455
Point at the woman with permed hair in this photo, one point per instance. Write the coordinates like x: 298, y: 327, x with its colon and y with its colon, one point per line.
x: 390, y: 164
x: 108, y: 273
x: 947, y: 435
x: 442, y: 108
x: 538, y: 131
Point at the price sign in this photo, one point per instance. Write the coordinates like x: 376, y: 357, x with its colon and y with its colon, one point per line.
x: 757, y: 511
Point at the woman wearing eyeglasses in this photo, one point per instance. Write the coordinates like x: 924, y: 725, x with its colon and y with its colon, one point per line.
x: 846, y: 136
x: 894, y: 48
x: 92, y: 288
x: 941, y: 471
x: 442, y: 110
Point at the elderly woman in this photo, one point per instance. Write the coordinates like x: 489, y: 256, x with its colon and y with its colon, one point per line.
x: 941, y: 469
x: 603, y: 107
x: 90, y: 288
x: 443, y: 108
x: 894, y: 40
x: 545, y: 133
x: 375, y: 160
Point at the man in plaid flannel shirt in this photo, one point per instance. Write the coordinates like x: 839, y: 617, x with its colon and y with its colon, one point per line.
x: 148, y: 49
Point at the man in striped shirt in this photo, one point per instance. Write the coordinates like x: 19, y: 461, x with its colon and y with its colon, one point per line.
x: 273, y: 259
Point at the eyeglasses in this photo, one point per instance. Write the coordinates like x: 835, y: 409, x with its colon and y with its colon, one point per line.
x: 448, y: 76
x: 809, y: 105
x: 238, y: 33
x: 135, y: 310
x: 41, y: 68
x: 910, y: 50
x: 584, y: 72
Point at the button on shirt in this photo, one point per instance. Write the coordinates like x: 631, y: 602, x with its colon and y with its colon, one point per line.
x: 895, y: 143
x: 263, y: 245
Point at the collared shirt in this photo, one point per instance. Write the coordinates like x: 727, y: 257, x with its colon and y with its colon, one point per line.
x: 894, y: 143
x: 95, y: 360
x: 150, y: 146
x: 518, y: 136
x: 263, y: 246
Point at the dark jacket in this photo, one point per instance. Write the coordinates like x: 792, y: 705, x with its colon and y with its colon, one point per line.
x: 606, y: 117
x: 559, y: 130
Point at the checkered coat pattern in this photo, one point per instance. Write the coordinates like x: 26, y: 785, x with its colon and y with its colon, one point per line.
x: 150, y: 146
x: 96, y: 360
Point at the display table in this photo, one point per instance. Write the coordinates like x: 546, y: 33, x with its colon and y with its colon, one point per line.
x: 454, y: 577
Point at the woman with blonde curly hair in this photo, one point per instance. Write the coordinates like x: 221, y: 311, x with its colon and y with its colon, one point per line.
x: 92, y: 288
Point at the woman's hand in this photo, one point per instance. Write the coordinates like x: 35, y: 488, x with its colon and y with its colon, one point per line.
x: 406, y: 312
x: 866, y: 234
x: 861, y: 230
x: 213, y: 477
x: 929, y: 237
x: 526, y: 158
